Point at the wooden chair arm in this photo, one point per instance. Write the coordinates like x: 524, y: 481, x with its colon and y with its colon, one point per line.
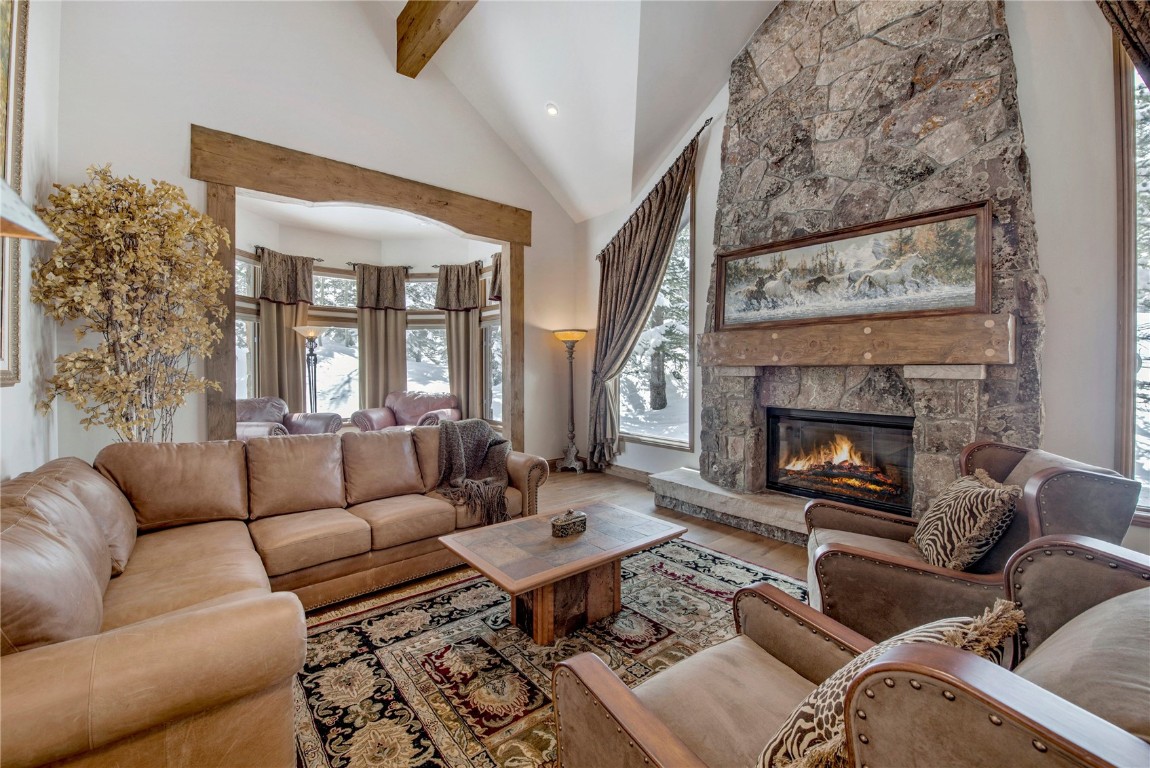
x: 847, y: 517
x: 807, y: 641
x: 601, y: 722
x: 880, y: 595
x: 972, y: 712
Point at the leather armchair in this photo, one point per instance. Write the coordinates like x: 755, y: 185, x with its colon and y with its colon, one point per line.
x: 863, y: 572
x: 916, y: 704
x: 403, y: 409
x: 269, y: 417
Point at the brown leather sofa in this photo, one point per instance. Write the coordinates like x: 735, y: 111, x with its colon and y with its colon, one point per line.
x: 269, y: 417
x: 409, y: 409
x: 187, y: 655
x: 1079, y: 697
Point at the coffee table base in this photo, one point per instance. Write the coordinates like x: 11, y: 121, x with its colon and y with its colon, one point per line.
x: 557, y: 609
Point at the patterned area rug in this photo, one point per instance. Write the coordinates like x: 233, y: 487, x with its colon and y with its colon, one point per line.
x: 435, y: 675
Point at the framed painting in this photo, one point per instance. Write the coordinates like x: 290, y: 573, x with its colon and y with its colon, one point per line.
x: 934, y: 263
x: 13, y: 50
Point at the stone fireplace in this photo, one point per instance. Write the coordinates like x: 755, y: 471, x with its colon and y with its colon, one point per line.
x: 847, y: 113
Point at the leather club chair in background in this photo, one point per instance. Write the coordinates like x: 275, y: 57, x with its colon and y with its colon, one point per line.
x: 409, y: 409
x: 269, y: 417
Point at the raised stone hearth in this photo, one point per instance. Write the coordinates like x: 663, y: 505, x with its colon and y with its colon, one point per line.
x: 776, y: 515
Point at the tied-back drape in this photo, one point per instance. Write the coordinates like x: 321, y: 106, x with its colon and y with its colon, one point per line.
x: 1130, y: 20
x: 285, y: 294
x: 632, y: 268
x: 495, y: 292
x: 381, y: 301
x: 458, y: 294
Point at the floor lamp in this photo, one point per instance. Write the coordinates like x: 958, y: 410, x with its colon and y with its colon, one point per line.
x: 311, y: 334
x: 570, y: 336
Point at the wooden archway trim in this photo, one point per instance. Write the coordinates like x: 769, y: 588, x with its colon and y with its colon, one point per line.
x: 226, y: 162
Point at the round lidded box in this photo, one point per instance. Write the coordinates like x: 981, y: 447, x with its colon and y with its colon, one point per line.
x: 571, y: 522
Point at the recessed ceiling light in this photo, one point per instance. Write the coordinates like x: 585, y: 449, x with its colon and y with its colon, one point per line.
x: 552, y: 109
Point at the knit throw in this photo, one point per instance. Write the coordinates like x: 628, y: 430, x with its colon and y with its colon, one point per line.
x: 473, y: 467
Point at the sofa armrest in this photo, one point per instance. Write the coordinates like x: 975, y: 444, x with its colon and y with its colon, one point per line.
x: 246, y: 430
x: 374, y: 419
x: 62, y: 699
x: 601, y: 722
x: 847, y: 517
x: 881, y: 595
x: 313, y: 423
x: 805, y: 640
x: 431, y: 418
x: 526, y: 473
x: 968, y: 711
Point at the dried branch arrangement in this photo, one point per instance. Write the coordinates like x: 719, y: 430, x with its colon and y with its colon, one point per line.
x: 134, y: 267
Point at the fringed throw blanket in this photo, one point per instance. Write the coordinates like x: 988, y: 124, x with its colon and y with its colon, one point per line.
x: 473, y: 467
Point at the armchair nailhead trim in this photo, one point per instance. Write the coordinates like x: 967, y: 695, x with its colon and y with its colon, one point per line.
x: 863, y: 738
x: 869, y: 693
x: 861, y: 715
x: 948, y: 695
x: 1038, y: 745
x: 995, y: 720
x: 916, y: 685
x: 888, y: 682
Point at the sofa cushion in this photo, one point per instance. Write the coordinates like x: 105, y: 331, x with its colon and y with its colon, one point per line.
x: 47, y: 589
x: 1099, y: 661
x: 303, y: 539
x: 48, y: 498
x: 181, y: 568
x: 294, y: 474
x: 717, y: 728
x: 404, y: 519
x: 103, y: 500
x: 378, y: 465
x: 465, y: 517
x: 170, y: 484
x: 427, y: 451
x: 965, y: 521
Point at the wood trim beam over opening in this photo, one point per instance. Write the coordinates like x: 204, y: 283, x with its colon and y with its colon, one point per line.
x: 422, y: 27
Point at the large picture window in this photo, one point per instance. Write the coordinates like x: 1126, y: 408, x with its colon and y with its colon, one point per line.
x: 493, y: 372
x: 427, y: 360
x: 246, y: 357
x: 337, y: 372
x: 655, y: 386
x: 1141, y: 190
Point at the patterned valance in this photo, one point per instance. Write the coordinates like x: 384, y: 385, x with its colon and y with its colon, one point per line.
x: 458, y: 288
x: 495, y: 292
x: 1130, y: 20
x: 380, y: 287
x: 284, y: 279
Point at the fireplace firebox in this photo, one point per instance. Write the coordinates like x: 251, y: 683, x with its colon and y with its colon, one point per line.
x: 864, y: 459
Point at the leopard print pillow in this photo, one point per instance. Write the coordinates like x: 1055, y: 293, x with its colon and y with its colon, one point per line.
x: 965, y: 521
x: 813, y: 734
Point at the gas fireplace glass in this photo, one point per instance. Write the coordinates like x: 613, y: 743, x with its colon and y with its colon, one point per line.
x: 859, y: 458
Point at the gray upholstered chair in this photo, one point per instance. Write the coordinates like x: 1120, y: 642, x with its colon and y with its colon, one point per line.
x: 409, y: 409
x: 863, y: 571
x: 269, y: 417
x: 1079, y: 697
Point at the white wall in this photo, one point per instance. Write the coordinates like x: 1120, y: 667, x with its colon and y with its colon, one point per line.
x: 253, y: 229
x: 334, y: 251
x: 596, y: 233
x: 1066, y: 96
x: 311, y: 76
x: 28, y: 438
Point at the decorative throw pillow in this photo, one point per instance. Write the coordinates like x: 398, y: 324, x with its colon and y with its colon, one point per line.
x: 814, y: 735
x: 965, y: 521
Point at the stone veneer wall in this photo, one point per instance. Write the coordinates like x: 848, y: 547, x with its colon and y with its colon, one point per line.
x: 848, y: 112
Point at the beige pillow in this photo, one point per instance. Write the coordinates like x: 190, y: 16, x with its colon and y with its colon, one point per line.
x: 965, y: 521
x: 813, y: 736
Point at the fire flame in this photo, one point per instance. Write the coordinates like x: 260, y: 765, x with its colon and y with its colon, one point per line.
x: 838, y: 452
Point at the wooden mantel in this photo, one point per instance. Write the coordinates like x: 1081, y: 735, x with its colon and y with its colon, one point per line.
x: 946, y: 339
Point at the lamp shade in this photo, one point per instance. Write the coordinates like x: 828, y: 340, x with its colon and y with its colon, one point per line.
x: 18, y: 220
x: 309, y: 331
x: 570, y: 334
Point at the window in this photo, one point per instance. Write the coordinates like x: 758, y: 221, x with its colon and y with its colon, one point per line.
x: 1141, y: 192
x: 337, y: 372
x: 421, y: 294
x: 493, y: 372
x: 333, y: 291
x: 427, y: 359
x: 246, y: 274
x: 655, y: 386
x: 246, y: 357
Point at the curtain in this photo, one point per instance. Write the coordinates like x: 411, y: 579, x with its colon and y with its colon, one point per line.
x: 1130, y: 20
x: 285, y: 294
x: 632, y: 268
x: 458, y: 294
x: 495, y: 293
x: 382, y: 320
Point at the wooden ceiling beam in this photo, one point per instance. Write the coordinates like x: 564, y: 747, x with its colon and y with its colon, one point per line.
x: 422, y: 27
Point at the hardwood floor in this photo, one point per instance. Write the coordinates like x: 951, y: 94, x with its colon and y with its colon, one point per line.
x: 567, y: 489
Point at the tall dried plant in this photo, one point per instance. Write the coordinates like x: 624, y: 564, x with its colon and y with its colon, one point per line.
x: 135, y: 268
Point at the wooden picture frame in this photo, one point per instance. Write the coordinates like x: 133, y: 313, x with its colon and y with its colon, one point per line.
x: 13, y: 54
x: 935, y: 263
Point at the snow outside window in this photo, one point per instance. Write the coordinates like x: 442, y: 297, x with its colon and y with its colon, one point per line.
x: 1142, y: 254
x: 655, y: 386
x: 333, y: 291
x: 245, y: 278
x: 427, y: 359
x: 493, y: 372
x: 245, y: 357
x: 337, y: 371
x: 420, y: 294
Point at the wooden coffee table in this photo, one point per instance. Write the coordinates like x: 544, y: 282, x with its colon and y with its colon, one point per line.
x: 559, y: 585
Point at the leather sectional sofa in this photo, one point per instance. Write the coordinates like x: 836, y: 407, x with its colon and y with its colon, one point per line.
x: 145, y: 618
